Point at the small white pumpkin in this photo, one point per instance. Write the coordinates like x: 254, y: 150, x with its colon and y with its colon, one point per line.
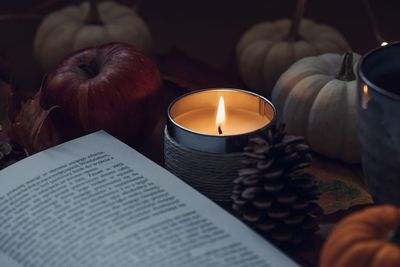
x: 316, y: 98
x: 88, y: 24
x: 267, y: 49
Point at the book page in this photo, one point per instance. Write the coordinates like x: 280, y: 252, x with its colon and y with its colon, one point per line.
x: 94, y: 201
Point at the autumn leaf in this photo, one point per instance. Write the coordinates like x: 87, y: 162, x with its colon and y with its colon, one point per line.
x: 32, y: 128
x: 340, y: 184
x: 5, y: 94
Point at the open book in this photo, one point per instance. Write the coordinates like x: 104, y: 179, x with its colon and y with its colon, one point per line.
x: 95, y: 201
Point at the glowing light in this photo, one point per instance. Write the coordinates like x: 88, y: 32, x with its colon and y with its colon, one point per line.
x: 220, y: 118
x: 365, y: 89
x: 384, y: 43
x: 365, y: 97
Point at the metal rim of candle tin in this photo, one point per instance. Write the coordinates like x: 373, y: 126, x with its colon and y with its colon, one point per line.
x: 213, y: 143
x: 370, y: 84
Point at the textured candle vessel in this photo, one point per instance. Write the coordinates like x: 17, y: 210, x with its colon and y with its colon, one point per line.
x: 205, y: 151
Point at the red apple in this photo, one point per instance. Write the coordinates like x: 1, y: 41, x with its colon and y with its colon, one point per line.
x: 114, y: 87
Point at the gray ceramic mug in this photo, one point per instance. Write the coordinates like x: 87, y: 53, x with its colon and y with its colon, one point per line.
x: 379, y: 122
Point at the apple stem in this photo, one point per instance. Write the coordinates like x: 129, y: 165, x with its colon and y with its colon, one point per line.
x: 93, y: 16
x: 294, y: 29
x: 90, y: 70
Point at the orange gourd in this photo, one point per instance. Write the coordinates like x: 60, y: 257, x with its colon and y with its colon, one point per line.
x: 369, y: 238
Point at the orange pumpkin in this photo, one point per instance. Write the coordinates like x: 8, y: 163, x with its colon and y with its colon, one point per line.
x: 369, y: 238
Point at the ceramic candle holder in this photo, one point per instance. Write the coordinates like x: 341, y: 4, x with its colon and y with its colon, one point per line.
x: 204, y: 147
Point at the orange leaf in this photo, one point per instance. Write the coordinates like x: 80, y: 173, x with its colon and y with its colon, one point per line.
x: 36, y: 129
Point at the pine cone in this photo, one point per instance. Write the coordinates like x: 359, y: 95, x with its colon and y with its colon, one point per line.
x: 9, y: 152
x: 273, y: 193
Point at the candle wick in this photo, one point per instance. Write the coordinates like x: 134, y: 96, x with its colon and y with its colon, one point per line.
x: 219, y: 129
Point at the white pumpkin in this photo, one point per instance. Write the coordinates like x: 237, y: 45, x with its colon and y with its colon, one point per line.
x: 87, y: 24
x: 267, y: 49
x: 316, y: 98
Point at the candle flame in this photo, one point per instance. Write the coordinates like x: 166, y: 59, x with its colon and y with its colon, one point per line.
x: 220, y: 114
x: 384, y: 43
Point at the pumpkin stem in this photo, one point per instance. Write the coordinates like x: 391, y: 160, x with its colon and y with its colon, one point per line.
x: 294, y: 29
x: 394, y: 236
x: 93, y: 16
x: 346, y: 72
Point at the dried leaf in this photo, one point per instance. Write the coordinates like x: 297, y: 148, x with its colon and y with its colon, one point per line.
x: 6, y: 93
x: 5, y: 96
x: 34, y: 128
x: 9, y: 98
x: 340, y: 184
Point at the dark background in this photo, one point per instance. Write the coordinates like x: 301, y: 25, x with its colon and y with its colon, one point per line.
x: 205, y: 29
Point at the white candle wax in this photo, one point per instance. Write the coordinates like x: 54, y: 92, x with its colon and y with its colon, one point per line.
x: 221, y: 112
x: 218, y: 120
x: 237, y: 121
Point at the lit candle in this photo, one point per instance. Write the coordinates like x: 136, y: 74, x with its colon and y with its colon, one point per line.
x: 218, y: 120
